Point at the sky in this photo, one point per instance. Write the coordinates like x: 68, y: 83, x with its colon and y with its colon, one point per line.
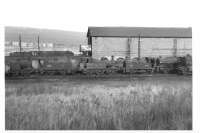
x: 77, y: 15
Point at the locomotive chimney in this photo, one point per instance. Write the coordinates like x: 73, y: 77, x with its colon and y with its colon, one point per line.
x: 112, y: 58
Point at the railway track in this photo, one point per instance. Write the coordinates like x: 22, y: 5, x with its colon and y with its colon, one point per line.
x: 79, y: 76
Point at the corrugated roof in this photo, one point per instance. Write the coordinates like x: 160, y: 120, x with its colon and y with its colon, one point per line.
x: 149, y: 32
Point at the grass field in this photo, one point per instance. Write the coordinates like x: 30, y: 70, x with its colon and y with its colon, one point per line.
x: 138, y: 103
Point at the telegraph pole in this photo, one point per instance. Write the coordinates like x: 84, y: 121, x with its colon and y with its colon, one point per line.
x: 20, y: 44
x: 38, y: 43
x: 129, y: 49
x: 139, y: 47
x: 175, y: 47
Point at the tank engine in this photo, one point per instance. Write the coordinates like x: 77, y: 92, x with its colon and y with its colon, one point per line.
x: 43, y: 62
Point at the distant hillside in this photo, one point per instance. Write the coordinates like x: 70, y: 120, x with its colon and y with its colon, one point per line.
x: 68, y: 38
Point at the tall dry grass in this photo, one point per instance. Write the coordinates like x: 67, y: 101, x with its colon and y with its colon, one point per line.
x: 136, y: 104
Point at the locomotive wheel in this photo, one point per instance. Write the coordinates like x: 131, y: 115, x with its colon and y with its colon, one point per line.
x: 25, y: 73
x: 84, y: 72
x: 59, y: 72
x: 100, y: 72
x: 54, y: 73
x: 182, y: 72
x: 42, y: 72
x: 16, y: 74
x: 63, y: 72
x: 165, y: 71
x: 106, y: 72
x: 49, y: 73
x: 89, y: 72
x: 149, y: 71
x: 8, y: 74
x: 111, y: 71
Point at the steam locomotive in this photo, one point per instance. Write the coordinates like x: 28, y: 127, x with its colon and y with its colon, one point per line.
x: 66, y: 63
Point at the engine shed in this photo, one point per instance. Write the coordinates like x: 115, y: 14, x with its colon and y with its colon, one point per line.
x: 138, y: 42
